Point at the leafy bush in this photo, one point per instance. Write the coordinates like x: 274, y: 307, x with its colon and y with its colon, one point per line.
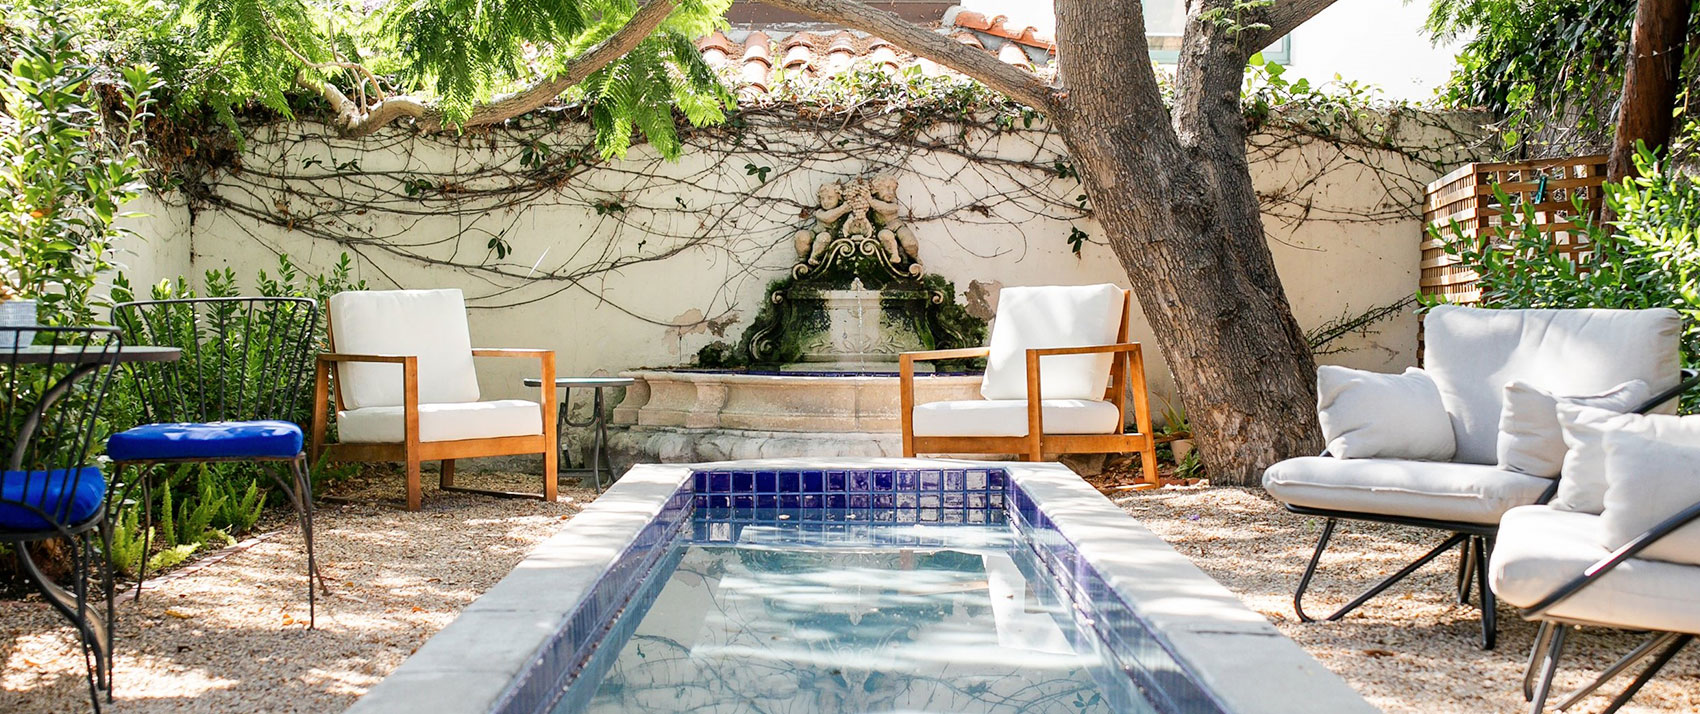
x: 1649, y: 256
x: 220, y: 500
x: 68, y: 161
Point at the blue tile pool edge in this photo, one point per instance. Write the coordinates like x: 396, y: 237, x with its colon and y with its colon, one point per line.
x: 1112, y: 557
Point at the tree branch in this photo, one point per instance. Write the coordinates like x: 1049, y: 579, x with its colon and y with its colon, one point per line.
x: 507, y: 106
x: 1012, y: 81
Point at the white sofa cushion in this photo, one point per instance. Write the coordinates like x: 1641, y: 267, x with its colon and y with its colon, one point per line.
x: 1367, y: 415
x: 1541, y: 548
x: 1472, y: 353
x: 1530, y: 440
x: 441, y: 422
x: 429, y: 324
x: 1469, y: 493
x: 1052, y: 316
x: 1008, y: 417
x: 1648, y: 481
x: 1583, y: 486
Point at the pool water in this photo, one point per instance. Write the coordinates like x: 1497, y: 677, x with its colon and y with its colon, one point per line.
x: 789, y: 617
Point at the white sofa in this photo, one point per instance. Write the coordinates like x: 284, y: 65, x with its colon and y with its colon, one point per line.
x: 1472, y: 354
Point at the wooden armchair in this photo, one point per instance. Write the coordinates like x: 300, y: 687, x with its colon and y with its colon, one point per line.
x: 1063, y: 343
x: 406, y: 390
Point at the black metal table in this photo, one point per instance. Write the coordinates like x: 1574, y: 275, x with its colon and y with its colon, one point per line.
x: 56, y: 595
x: 598, y: 422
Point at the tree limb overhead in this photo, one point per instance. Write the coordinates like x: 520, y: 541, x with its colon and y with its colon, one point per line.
x: 357, y: 121
x: 1012, y: 81
x: 1283, y: 17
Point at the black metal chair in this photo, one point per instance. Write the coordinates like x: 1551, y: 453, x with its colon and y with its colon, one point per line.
x: 234, y: 396
x: 50, y: 489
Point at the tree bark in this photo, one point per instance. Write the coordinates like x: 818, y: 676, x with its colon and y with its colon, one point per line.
x: 1651, y: 82
x: 1175, y: 200
x: 1174, y: 197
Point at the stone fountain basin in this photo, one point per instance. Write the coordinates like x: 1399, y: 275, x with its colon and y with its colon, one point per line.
x: 779, y: 402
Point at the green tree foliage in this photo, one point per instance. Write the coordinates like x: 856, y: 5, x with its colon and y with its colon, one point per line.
x: 452, y: 56
x: 1551, y: 70
x: 67, y: 164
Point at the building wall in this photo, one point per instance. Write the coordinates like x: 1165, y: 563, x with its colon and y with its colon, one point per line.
x: 980, y: 228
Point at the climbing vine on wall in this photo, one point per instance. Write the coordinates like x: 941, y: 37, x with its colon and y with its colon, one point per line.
x: 457, y: 201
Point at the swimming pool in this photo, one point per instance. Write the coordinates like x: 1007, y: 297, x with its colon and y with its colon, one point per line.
x: 866, y: 585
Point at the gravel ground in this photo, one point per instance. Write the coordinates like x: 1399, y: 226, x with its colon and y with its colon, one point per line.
x: 1414, y: 649
x: 230, y: 637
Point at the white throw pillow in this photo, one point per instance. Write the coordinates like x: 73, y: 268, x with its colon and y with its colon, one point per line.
x: 1648, y: 481
x: 1582, y: 487
x: 1530, y: 440
x: 1368, y: 415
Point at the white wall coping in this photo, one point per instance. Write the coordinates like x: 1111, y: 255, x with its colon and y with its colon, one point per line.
x: 1233, y: 652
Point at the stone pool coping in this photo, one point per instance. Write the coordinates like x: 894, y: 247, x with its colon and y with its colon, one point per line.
x: 1235, y: 653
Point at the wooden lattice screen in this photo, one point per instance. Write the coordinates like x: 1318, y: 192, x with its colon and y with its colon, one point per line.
x: 1467, y: 196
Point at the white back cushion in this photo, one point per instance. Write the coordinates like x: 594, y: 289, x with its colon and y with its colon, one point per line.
x: 1354, y: 408
x: 1053, y: 316
x: 428, y: 324
x: 1472, y: 353
x: 1582, y: 487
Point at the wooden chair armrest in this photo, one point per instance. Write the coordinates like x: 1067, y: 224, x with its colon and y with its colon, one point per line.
x: 1093, y: 349
x: 959, y: 353
x: 384, y: 359
x: 511, y: 352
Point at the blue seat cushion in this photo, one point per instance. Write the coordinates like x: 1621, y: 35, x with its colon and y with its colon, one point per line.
x: 213, y: 440
x: 48, y: 491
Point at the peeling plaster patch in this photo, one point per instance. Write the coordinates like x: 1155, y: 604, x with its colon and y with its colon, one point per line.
x: 981, y: 298
x: 692, y: 322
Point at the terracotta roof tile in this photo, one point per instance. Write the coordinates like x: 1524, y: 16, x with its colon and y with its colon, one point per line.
x: 753, y: 61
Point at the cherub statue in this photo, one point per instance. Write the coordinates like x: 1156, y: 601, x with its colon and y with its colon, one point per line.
x: 811, y: 245
x: 895, y: 235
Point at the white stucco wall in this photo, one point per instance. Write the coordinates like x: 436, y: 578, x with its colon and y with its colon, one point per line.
x: 660, y: 313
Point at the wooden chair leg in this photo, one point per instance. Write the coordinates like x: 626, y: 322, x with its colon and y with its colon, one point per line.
x: 414, y: 494
x: 1148, y: 463
x: 551, y: 470
x: 447, y: 478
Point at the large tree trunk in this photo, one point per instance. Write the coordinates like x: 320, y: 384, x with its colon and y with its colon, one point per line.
x: 1181, y: 215
x: 1174, y: 197
x: 1651, y: 81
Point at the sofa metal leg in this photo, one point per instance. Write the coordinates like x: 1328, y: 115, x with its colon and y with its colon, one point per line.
x: 1549, y: 668
x: 1482, y: 548
x: 1466, y: 572
x: 1659, y: 662
x: 1543, y: 636
x: 1310, y: 570
x: 1636, y: 655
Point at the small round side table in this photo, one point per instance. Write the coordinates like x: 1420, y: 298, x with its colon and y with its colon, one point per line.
x: 598, y: 421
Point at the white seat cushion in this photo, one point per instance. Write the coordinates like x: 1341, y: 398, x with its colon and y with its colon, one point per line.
x: 1540, y: 548
x: 1468, y: 493
x: 1053, y: 316
x: 1008, y: 417
x: 1472, y: 353
x: 442, y: 422
x: 428, y: 324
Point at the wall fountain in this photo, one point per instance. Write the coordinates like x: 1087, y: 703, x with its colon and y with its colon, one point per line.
x: 815, y: 373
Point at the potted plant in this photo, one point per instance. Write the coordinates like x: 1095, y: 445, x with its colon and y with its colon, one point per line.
x: 1176, y: 430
